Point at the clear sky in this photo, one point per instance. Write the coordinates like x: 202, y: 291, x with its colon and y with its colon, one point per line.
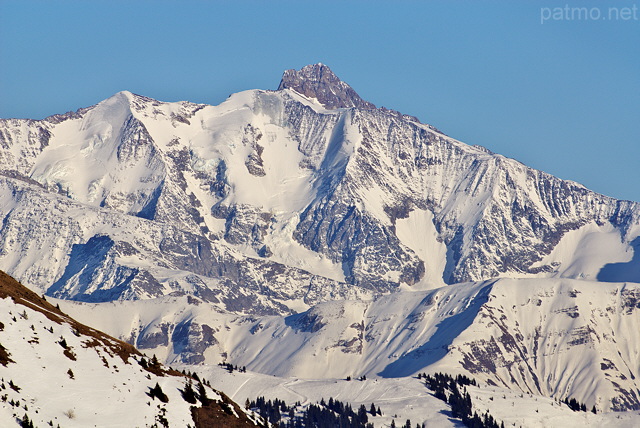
x: 533, y: 80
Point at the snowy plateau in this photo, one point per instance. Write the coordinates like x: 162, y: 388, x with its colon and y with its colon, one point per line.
x: 310, y: 236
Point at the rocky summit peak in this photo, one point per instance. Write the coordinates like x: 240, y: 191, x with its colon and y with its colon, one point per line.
x: 318, y: 81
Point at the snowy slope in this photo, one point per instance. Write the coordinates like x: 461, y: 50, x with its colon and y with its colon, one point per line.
x: 398, y: 399
x: 407, y: 398
x: 58, y: 372
x: 552, y: 337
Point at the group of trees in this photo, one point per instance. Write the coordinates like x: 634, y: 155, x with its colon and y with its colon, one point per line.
x: 326, y: 414
x: 25, y: 422
x: 230, y: 367
x: 152, y: 366
x: 334, y: 413
x: 577, y: 406
x: 191, y: 396
x: 446, y: 379
x: 448, y: 389
x: 407, y: 424
x: 361, y: 378
x: 341, y: 415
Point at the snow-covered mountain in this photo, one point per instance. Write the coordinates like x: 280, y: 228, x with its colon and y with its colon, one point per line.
x: 58, y: 372
x: 305, y: 231
x: 276, y: 200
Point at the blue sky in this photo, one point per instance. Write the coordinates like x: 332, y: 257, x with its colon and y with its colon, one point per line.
x: 560, y: 94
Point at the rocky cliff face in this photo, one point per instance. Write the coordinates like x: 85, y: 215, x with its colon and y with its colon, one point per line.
x: 75, y: 251
x: 318, y: 81
x: 276, y: 200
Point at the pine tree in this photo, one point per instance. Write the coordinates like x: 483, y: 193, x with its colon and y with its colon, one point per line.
x: 188, y: 394
x: 157, y: 392
x: 362, y: 414
x: 26, y: 422
x: 202, y: 395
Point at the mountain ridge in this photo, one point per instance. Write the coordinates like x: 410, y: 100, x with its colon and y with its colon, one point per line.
x: 100, y: 368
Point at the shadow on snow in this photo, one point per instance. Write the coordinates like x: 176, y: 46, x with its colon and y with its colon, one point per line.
x: 438, y: 345
x: 623, y: 272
